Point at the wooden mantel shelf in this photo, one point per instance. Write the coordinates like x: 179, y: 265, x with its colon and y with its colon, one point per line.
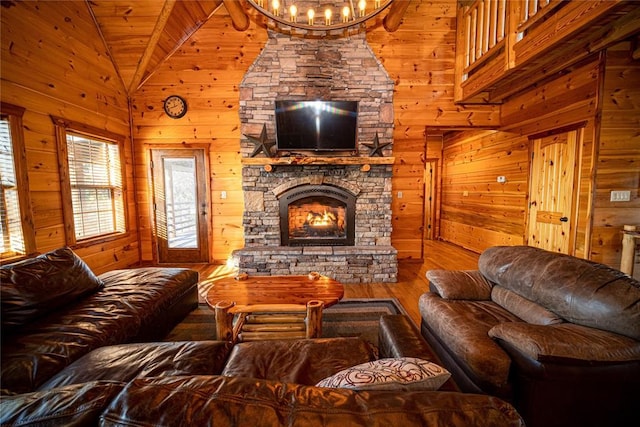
x: 294, y: 161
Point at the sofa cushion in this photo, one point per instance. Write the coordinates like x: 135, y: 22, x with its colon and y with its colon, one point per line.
x: 75, y: 405
x: 455, y: 284
x: 577, y: 290
x: 169, y: 401
x: 128, y: 361
x: 463, y: 328
x: 296, y: 361
x: 36, y: 286
x: 131, y: 303
x: 402, y: 373
x: 567, y: 342
x: 527, y: 310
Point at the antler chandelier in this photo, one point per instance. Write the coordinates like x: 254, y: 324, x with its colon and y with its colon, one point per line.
x: 318, y: 15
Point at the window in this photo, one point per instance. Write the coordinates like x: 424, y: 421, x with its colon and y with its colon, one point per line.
x: 17, y: 236
x: 94, y: 195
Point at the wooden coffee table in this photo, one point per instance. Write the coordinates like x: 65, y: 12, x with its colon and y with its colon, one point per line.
x: 272, y: 307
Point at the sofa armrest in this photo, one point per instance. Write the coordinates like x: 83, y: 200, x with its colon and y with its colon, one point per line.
x: 398, y: 337
x: 567, y: 343
x: 459, y: 284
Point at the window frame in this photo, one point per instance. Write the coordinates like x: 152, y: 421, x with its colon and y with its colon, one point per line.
x: 14, y: 115
x: 63, y: 127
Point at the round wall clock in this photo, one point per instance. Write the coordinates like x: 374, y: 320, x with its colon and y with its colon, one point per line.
x: 175, y: 106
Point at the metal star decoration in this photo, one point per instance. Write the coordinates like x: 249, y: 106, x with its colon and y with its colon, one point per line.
x: 376, y: 148
x: 261, y: 143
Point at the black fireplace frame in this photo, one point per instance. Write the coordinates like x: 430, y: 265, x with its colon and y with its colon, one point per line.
x: 294, y: 194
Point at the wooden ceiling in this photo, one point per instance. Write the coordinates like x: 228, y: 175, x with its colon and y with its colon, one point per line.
x: 141, y: 34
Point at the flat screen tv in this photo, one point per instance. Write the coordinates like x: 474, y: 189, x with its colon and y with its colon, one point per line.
x: 316, y: 125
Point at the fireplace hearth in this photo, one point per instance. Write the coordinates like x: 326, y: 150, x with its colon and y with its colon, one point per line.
x: 319, y: 215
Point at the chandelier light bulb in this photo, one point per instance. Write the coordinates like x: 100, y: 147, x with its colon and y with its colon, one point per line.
x: 345, y: 14
x: 327, y: 17
x: 293, y: 11
x: 362, y: 5
x: 276, y: 7
x: 311, y: 14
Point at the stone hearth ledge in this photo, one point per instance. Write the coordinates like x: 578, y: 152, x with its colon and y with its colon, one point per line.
x: 347, y: 264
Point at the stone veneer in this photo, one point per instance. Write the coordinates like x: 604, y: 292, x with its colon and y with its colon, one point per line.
x: 297, y: 68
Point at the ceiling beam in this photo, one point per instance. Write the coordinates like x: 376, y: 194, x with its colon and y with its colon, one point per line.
x: 239, y: 17
x: 161, y: 22
x: 393, y: 19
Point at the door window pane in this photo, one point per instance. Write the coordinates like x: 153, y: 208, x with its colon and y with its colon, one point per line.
x: 181, y: 202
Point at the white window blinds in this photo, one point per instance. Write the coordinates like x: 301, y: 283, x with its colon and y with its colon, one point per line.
x: 95, y: 175
x: 12, y: 240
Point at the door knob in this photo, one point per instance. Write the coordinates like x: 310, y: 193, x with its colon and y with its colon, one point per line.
x: 564, y: 219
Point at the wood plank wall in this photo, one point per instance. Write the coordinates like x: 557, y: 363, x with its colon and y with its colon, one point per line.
x: 495, y: 213
x: 53, y: 63
x: 477, y: 211
x: 618, y: 166
x: 419, y: 57
x: 206, y: 72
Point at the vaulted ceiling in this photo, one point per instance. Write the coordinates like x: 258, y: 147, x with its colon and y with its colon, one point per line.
x: 142, y: 34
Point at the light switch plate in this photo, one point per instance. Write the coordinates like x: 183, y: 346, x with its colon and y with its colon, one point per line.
x: 620, y: 196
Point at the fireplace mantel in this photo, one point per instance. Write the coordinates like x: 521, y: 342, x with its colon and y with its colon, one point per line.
x: 296, y: 161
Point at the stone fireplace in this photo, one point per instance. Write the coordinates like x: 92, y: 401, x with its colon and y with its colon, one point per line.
x: 305, y: 212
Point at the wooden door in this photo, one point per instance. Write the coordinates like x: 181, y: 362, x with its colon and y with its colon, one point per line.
x: 552, y: 191
x: 180, y: 205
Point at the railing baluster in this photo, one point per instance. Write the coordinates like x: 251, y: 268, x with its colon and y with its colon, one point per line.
x: 474, y: 32
x: 467, y: 39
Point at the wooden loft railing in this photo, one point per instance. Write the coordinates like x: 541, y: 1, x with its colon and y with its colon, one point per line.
x: 503, y: 43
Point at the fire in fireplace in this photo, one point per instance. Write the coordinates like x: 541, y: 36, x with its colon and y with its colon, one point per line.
x: 317, y: 215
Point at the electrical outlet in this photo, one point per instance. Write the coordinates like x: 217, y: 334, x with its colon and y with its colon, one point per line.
x: 502, y: 179
x: 223, y: 194
x: 399, y: 194
x: 465, y: 193
x: 620, y: 196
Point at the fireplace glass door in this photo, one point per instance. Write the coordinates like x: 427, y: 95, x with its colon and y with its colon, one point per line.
x: 321, y: 218
x: 317, y: 216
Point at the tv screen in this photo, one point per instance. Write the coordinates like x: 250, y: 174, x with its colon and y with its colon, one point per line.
x: 316, y: 125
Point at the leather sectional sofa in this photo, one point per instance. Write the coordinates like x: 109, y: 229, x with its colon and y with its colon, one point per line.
x: 81, y: 350
x: 261, y: 383
x: 55, y: 310
x: 556, y: 335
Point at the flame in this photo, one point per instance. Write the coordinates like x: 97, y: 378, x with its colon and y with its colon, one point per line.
x: 320, y: 220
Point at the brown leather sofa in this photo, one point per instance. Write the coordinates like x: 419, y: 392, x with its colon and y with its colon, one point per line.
x: 262, y: 383
x: 55, y: 310
x: 556, y: 335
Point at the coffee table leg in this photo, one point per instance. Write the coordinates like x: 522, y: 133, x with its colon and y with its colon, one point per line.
x: 314, y: 319
x: 224, y: 321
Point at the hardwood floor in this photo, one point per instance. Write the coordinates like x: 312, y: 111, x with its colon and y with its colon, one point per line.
x: 411, y: 275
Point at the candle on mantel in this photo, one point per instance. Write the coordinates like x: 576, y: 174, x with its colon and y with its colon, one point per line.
x: 327, y: 17
x: 276, y: 7
x: 311, y: 14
